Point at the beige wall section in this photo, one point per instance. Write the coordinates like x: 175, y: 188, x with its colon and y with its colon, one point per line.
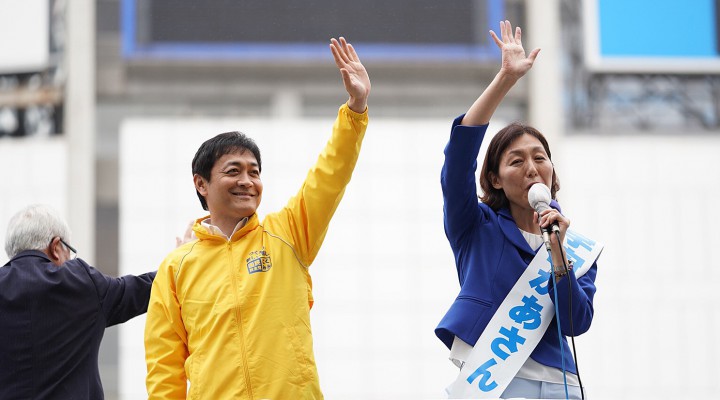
x: 386, y: 275
x: 80, y: 124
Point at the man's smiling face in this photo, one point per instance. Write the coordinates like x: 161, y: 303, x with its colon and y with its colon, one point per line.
x: 234, y: 189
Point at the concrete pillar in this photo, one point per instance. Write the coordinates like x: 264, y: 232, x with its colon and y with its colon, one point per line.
x: 80, y: 124
x: 545, y: 84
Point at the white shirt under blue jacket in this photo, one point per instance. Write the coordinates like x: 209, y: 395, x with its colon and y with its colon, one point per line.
x: 491, y: 254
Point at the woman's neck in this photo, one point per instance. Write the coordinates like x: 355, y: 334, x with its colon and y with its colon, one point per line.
x: 524, y: 219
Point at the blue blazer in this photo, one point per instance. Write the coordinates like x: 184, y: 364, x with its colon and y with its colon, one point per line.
x: 491, y: 254
x: 52, y: 320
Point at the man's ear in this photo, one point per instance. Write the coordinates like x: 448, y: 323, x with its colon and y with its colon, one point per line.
x: 54, y: 251
x: 200, y: 184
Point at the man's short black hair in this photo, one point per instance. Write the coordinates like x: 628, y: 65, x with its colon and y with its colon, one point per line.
x: 213, y: 149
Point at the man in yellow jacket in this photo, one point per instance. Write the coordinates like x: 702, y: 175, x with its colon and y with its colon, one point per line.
x: 230, y: 312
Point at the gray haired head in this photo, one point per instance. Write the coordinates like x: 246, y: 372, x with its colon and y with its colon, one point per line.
x: 33, y: 228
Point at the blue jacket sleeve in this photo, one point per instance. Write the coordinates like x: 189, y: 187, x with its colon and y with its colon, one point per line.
x: 460, y: 201
x: 575, y: 299
x: 121, y: 298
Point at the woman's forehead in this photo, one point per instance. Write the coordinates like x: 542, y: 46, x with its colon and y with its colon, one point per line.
x: 524, y: 143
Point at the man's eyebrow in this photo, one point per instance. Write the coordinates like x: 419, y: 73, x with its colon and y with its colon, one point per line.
x: 235, y: 163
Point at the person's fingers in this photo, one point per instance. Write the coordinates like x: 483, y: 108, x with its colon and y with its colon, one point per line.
x: 555, y: 217
x: 509, y: 32
x: 351, y: 52
x: 334, y: 51
x: 347, y: 79
x: 342, y: 49
x: 344, y: 44
x: 497, y: 40
x: 533, y: 55
x: 548, y: 216
x: 334, y: 48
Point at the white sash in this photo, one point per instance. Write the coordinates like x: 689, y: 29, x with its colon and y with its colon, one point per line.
x: 518, y: 324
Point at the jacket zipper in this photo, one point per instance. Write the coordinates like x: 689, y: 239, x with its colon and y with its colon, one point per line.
x: 238, y: 317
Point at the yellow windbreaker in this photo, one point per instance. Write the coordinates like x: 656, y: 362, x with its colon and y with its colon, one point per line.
x: 232, y: 317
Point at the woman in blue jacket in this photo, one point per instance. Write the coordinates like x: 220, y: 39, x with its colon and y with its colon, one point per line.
x: 494, y: 240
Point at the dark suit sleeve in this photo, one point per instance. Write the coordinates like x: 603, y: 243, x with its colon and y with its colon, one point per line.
x: 121, y: 298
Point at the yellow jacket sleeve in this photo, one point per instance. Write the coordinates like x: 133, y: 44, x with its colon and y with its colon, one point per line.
x: 165, y: 340
x: 307, y: 214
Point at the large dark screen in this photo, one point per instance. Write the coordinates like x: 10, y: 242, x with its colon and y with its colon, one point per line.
x: 196, y: 24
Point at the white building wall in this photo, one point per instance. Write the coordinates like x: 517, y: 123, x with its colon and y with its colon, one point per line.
x: 32, y: 171
x: 652, y: 201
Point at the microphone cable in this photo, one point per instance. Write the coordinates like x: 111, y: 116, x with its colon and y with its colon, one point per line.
x: 559, y: 332
x: 572, y: 329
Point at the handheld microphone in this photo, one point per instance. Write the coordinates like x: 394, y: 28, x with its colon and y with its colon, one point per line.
x: 539, y: 199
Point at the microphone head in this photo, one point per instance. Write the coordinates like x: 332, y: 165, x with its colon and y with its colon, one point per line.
x: 539, y: 196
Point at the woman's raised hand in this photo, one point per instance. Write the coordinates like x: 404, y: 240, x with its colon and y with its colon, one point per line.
x: 514, y: 61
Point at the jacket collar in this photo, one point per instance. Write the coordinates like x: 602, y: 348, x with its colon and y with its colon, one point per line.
x: 29, y: 253
x: 511, y: 231
x: 203, y: 234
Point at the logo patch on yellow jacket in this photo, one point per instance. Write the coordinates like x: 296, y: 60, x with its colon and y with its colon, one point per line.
x: 259, y: 261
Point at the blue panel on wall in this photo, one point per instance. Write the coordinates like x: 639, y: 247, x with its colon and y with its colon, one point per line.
x: 661, y: 28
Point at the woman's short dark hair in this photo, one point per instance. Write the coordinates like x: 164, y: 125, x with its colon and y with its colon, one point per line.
x: 495, y: 198
x: 213, y: 149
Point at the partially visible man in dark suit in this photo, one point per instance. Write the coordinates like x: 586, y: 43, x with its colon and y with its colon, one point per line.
x: 54, y: 309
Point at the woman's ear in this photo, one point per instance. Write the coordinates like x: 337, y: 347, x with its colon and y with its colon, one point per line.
x: 495, y: 181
